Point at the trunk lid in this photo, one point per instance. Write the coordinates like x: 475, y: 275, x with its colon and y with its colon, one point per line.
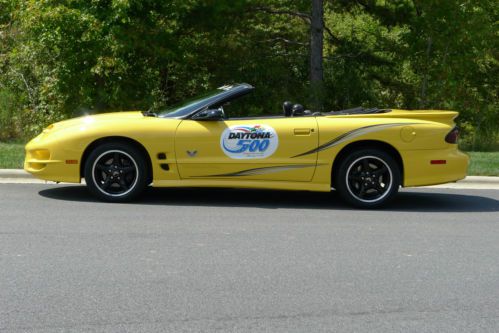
x: 441, y: 116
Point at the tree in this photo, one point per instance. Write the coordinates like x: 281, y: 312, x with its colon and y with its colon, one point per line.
x: 60, y: 58
x: 316, y: 50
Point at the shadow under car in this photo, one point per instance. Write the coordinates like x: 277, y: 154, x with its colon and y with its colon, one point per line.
x: 411, y: 200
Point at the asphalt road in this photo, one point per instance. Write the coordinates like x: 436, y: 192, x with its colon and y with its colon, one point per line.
x: 209, y: 260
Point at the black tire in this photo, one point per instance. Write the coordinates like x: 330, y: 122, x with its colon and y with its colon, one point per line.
x: 116, y: 172
x: 368, y: 178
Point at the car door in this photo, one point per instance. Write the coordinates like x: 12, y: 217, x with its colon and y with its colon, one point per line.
x: 247, y: 149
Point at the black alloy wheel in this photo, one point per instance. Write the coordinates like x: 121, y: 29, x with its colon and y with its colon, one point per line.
x: 116, y: 172
x: 368, y: 178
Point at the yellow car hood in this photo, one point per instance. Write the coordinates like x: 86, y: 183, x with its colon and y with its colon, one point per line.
x: 93, y: 119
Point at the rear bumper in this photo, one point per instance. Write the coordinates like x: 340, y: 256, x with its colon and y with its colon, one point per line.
x: 419, y: 171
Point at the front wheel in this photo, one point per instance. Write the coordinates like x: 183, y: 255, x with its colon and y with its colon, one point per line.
x: 115, y: 172
x: 368, y: 178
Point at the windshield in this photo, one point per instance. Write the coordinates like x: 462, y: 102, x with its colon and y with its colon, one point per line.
x: 186, y: 107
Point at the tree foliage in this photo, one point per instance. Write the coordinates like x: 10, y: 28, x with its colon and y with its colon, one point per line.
x: 61, y: 58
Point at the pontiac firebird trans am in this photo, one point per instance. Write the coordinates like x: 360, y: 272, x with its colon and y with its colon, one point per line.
x: 365, y: 154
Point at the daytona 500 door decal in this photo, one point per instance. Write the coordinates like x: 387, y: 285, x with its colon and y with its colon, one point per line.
x: 249, y: 141
x: 350, y: 135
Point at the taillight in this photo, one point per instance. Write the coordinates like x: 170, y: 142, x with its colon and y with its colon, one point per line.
x: 452, y: 136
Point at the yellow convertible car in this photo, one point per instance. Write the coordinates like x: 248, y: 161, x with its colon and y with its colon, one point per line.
x: 365, y: 154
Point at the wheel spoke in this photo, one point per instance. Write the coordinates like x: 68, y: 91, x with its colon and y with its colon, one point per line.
x: 116, y: 159
x: 365, y: 164
x: 106, y: 184
x: 380, y: 171
x: 103, y: 168
x: 128, y: 169
x: 362, y: 190
x: 124, y: 185
x: 355, y: 176
x: 379, y: 188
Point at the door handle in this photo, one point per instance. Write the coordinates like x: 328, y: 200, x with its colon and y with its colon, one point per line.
x: 302, y: 131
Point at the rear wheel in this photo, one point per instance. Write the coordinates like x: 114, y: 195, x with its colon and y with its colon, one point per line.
x: 368, y: 178
x: 116, y: 172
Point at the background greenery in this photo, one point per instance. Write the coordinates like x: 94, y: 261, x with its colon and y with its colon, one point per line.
x: 11, y: 155
x: 63, y: 58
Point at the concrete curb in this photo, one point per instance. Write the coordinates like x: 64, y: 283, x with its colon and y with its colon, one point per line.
x: 15, y: 173
x: 21, y: 176
x: 480, y: 179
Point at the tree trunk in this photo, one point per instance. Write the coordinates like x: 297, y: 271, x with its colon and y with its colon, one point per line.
x: 316, y: 50
x: 424, y: 84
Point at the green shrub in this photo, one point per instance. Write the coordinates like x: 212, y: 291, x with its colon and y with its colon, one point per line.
x: 482, y: 137
x: 9, y: 120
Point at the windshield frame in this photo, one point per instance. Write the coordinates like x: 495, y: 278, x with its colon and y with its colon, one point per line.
x: 214, y: 98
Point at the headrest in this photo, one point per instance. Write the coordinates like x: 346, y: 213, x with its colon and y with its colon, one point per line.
x: 298, y: 110
x: 287, y: 108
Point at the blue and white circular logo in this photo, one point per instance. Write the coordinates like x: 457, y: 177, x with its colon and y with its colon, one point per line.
x: 249, y: 141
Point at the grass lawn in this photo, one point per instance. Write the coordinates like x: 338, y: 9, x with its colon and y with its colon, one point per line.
x: 482, y: 164
x: 11, y: 155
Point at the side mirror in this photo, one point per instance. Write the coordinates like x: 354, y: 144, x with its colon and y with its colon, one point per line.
x: 210, y: 114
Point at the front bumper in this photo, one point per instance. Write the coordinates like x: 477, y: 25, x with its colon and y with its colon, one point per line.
x: 51, y: 162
